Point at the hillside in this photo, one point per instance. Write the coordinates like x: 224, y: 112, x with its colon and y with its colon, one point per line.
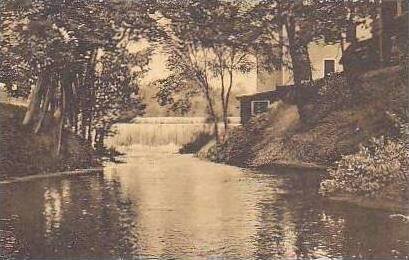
x: 320, y: 130
x: 23, y: 153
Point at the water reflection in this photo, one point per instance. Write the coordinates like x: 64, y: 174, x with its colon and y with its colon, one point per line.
x: 76, y: 217
x: 52, y: 211
x: 164, y: 205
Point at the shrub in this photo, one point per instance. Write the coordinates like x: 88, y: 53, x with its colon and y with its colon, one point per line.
x: 374, y: 170
x: 333, y: 93
x: 198, y: 143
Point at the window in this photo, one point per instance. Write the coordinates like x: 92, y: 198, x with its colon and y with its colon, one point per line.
x: 329, y: 67
x: 259, y: 106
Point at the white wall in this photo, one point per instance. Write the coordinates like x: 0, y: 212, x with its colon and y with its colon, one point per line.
x: 319, y: 51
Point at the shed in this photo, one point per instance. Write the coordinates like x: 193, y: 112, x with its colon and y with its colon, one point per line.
x: 259, y: 102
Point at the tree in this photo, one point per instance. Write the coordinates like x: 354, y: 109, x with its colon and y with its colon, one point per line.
x: 116, y: 89
x: 58, y: 45
x: 305, y: 22
x: 271, y: 18
x: 207, y: 43
x: 176, y: 91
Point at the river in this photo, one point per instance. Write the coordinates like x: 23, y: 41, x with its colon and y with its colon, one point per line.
x: 157, y: 204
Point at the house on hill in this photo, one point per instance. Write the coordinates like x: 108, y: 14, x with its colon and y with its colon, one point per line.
x: 389, y: 37
x: 363, y: 48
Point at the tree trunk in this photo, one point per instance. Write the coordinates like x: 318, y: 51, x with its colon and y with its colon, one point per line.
x: 215, y: 121
x: 227, y: 102
x: 342, y: 42
x: 298, y: 52
x: 92, y: 94
x: 99, y: 138
x: 74, y: 126
x: 76, y: 104
x: 307, y: 59
x: 202, y: 79
x: 60, y: 121
x: 45, y: 106
x: 212, y: 115
x: 226, y: 124
x: 35, y: 101
x: 89, y: 134
x: 223, y: 99
x: 83, y: 125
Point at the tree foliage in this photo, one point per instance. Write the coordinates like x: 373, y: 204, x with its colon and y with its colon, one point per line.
x: 75, y: 55
x: 376, y: 169
x: 208, y: 43
x: 292, y: 25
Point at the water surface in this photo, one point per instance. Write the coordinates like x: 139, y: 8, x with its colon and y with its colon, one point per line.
x: 163, y: 205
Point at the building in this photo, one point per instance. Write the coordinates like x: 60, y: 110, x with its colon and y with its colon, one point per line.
x: 389, y: 37
x: 257, y: 103
x: 363, y: 48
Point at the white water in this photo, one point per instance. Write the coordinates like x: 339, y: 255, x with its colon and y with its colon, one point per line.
x: 160, y: 131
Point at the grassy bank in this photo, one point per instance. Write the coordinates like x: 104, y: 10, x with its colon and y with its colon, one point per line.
x: 23, y: 153
x: 344, y: 115
x: 321, y: 130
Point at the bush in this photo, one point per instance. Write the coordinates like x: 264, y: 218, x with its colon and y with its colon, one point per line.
x: 375, y: 170
x: 198, y: 143
x: 333, y: 93
x: 381, y: 168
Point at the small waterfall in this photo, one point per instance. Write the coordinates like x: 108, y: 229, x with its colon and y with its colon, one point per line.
x: 160, y: 131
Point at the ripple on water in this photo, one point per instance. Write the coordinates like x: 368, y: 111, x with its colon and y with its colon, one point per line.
x: 174, y: 206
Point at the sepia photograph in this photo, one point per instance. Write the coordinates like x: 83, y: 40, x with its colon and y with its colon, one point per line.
x: 204, y: 129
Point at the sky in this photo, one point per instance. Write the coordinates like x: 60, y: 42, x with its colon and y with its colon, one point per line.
x: 244, y: 84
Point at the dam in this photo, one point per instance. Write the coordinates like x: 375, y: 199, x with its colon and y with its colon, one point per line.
x: 162, y: 131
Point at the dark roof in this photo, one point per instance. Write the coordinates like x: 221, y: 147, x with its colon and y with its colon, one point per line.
x: 264, y: 94
x: 280, y: 90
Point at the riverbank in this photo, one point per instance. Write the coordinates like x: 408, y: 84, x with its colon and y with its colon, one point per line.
x: 321, y: 130
x: 166, y: 205
x: 24, y: 153
x: 373, y: 203
x: 34, y: 177
x: 318, y: 132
